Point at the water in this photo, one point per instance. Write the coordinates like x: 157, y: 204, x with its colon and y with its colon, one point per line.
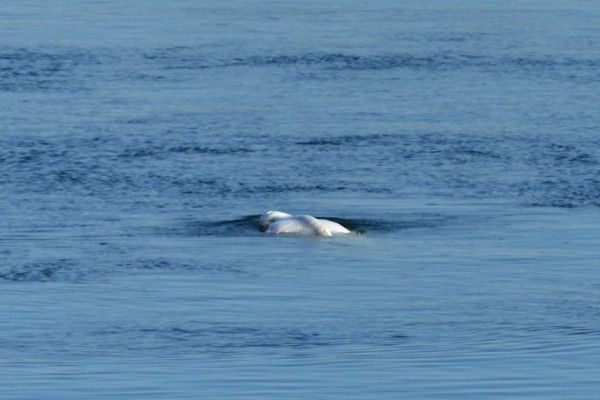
x: 139, y: 142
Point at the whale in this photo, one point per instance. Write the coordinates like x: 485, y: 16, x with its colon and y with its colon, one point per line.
x: 279, y: 222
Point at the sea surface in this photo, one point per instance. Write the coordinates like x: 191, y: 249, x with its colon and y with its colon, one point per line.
x: 140, y: 141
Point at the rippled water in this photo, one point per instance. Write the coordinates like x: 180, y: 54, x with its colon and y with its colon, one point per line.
x: 140, y: 141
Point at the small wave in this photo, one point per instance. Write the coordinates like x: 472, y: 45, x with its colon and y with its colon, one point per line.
x: 216, y: 336
x: 440, y: 61
x: 560, y: 193
x: 58, y: 270
x: 578, y: 330
x: 222, y: 337
x: 80, y: 271
x: 153, y: 151
x: 198, y: 57
x: 340, y: 61
x: 343, y: 140
x: 42, y: 70
x: 291, y: 187
x: 168, y: 265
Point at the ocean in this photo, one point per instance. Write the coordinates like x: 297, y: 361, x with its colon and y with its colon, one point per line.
x: 141, y: 141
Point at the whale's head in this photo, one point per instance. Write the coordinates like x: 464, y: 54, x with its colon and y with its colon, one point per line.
x: 272, y: 216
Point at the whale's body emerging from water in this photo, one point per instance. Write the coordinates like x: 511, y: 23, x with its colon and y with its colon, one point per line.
x: 280, y: 222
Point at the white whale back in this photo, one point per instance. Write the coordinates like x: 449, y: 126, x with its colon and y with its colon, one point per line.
x: 280, y: 222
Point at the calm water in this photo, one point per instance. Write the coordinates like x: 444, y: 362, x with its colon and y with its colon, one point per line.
x: 139, y: 140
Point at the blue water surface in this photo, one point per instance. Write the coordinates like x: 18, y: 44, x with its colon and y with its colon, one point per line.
x: 139, y: 141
